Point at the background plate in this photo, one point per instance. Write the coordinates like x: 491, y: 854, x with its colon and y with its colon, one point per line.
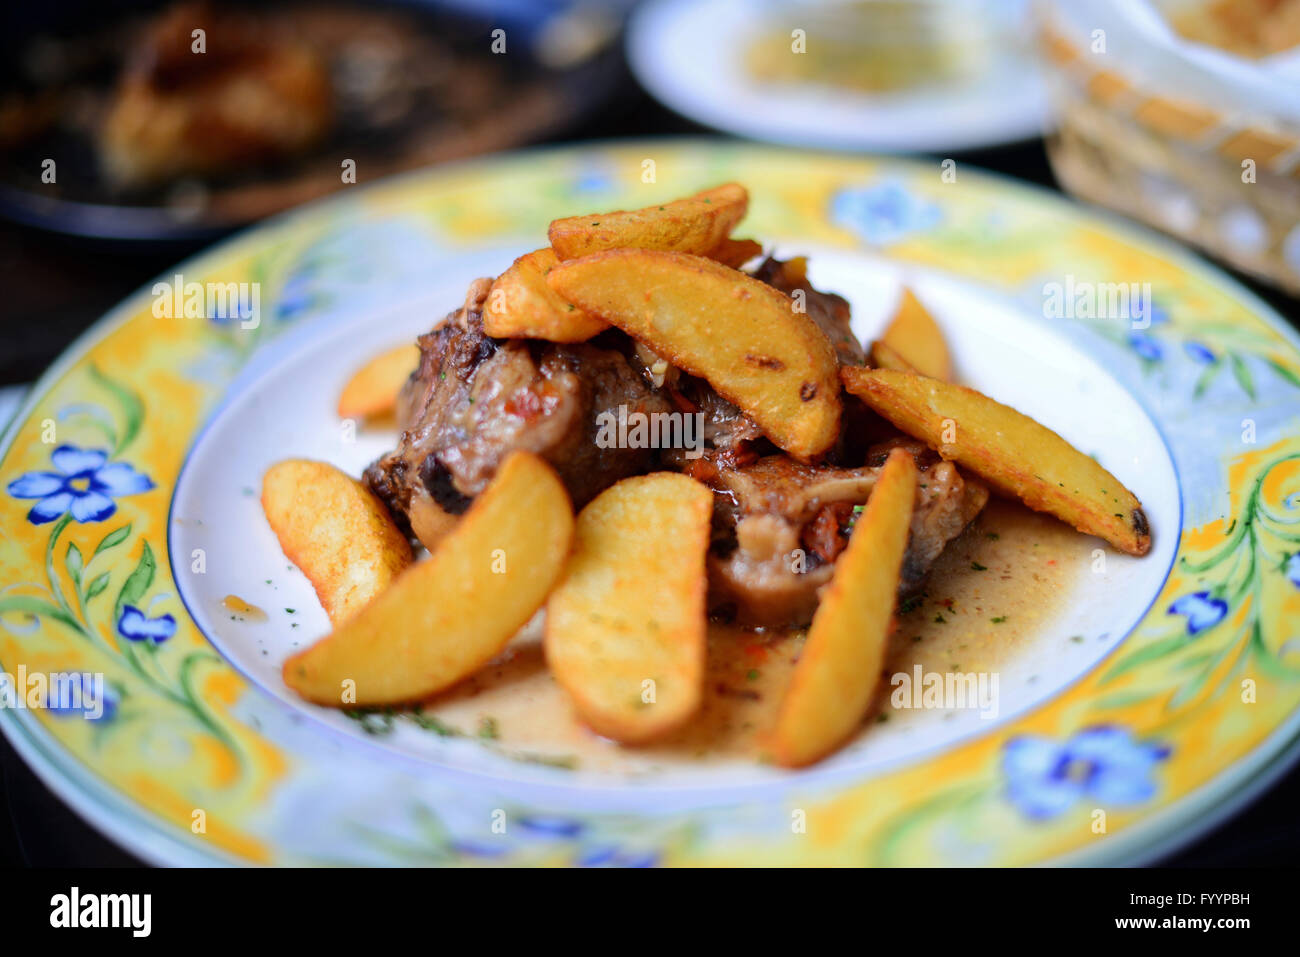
x: 688, y: 54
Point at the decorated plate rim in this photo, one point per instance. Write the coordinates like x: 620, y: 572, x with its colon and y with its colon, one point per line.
x: 71, y: 779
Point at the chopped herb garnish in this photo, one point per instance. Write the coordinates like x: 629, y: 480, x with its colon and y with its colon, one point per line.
x: 999, y: 619
x: 371, y: 721
x: 976, y: 566
x: 940, y: 620
x: 752, y: 675
x: 429, y: 723
x: 487, y: 728
x: 565, y: 762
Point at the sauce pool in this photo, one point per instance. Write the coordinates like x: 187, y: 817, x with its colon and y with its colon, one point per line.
x: 987, y: 598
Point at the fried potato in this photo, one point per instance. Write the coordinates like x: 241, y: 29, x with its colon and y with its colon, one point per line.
x: 839, y: 667
x: 885, y: 356
x: 915, y: 336
x: 735, y: 252
x: 743, y: 336
x: 626, y: 629
x: 695, y: 225
x: 1013, y: 453
x: 373, y: 388
x: 335, y: 531
x: 521, y: 305
x: 448, y: 616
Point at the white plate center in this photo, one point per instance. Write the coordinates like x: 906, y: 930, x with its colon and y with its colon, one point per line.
x: 285, y: 407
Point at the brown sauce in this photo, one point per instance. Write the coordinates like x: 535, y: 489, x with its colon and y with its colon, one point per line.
x: 988, y: 597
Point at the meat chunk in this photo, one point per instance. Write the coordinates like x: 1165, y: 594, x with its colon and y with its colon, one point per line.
x: 726, y: 428
x: 474, y: 400
x: 779, y: 526
x: 759, y: 571
x: 829, y: 311
x: 947, y: 501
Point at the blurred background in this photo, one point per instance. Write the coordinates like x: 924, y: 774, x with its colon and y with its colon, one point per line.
x: 118, y: 158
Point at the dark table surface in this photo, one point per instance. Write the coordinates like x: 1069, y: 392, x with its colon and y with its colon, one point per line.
x: 55, y: 288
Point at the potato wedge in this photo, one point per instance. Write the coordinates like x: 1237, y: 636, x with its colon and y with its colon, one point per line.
x: 373, y: 388
x: 839, y: 667
x: 743, y: 336
x: 697, y: 224
x: 335, y: 531
x: 448, y: 616
x: 521, y: 305
x: 915, y: 336
x: 735, y: 252
x: 626, y: 629
x: 885, y: 356
x: 1014, y: 454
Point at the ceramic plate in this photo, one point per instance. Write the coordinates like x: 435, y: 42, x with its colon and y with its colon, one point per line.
x: 1139, y: 698
x: 689, y: 55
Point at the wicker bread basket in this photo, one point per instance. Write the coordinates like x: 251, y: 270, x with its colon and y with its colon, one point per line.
x: 1197, y: 141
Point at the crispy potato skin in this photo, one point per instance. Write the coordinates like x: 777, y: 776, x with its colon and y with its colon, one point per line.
x: 885, y: 356
x: 839, y: 667
x: 520, y: 305
x: 1016, y: 455
x: 333, y: 529
x: 631, y: 607
x: 697, y: 224
x: 916, y: 337
x: 743, y: 336
x: 373, y: 388
x: 445, y: 618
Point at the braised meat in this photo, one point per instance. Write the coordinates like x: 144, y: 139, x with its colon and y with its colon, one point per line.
x: 475, y: 399
x: 948, y: 500
x: 779, y: 526
x: 829, y: 311
x: 726, y: 428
